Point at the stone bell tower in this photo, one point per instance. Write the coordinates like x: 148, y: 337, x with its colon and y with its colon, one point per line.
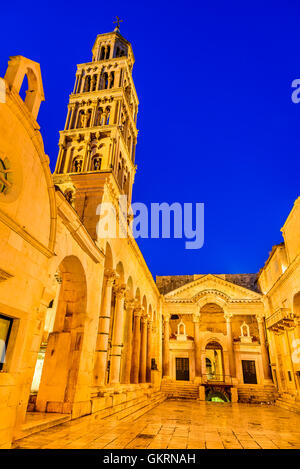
x: 97, y: 145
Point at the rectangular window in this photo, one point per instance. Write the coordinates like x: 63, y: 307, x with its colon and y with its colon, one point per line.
x: 290, y: 376
x: 5, y: 328
x: 249, y: 371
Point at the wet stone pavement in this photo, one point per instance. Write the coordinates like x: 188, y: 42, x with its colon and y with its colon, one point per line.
x: 178, y: 424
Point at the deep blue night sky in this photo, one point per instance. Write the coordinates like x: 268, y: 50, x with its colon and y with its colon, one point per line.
x: 216, y: 121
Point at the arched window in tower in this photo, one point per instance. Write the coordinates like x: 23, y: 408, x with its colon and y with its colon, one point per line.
x: 107, y: 52
x: 96, y: 163
x: 81, y: 122
x: 77, y: 165
x: 94, y: 83
x: 112, y: 79
x: 107, y: 115
x: 98, y: 116
x: 119, y: 171
x: 87, y: 85
x: 102, y: 53
x: 105, y: 81
x: 88, y: 117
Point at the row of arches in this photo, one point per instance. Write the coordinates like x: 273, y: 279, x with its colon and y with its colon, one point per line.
x: 81, y: 118
x: 96, y: 81
x: 124, y: 349
x: 95, y: 164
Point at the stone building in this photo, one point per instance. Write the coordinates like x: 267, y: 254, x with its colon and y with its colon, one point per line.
x: 214, y: 336
x: 84, y: 329
x: 80, y: 317
x: 279, y: 281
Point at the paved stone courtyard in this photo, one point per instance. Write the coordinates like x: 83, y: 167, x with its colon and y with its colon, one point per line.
x: 178, y: 425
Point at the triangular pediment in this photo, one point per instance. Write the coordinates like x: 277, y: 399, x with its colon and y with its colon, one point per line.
x: 212, y: 285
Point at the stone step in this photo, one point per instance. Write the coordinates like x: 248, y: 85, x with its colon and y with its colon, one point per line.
x: 117, y: 411
x: 257, y: 394
x: 37, y: 421
x: 291, y: 406
x: 180, y: 390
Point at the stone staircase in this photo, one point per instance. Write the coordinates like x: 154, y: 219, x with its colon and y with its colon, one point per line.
x: 257, y: 394
x: 127, y: 406
x: 180, y: 389
x: 288, y: 404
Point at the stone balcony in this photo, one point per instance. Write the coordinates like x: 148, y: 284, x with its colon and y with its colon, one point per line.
x: 280, y: 320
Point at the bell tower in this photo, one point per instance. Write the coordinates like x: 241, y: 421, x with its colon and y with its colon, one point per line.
x: 97, y: 145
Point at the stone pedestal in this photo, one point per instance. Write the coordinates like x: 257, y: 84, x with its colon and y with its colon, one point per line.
x: 155, y: 378
x: 234, y: 395
x: 201, y: 393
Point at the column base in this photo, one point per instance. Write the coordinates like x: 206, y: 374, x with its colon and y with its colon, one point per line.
x: 197, y: 380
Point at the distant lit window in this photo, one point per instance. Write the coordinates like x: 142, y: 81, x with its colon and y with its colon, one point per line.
x: 5, y: 328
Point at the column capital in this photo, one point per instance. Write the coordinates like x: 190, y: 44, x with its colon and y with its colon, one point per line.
x: 196, y: 318
x: 228, y: 316
x: 260, y: 318
x: 110, y: 275
x: 120, y: 291
x: 144, y: 319
x: 138, y: 311
x: 129, y: 304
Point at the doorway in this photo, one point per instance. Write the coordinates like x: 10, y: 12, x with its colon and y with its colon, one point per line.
x: 249, y: 372
x: 182, y: 369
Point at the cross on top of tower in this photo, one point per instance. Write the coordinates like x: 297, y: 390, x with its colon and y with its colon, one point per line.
x: 118, y: 21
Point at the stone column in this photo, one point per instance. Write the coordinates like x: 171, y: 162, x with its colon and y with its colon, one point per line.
x: 129, y: 304
x: 264, y: 351
x: 136, y: 345
x: 198, y: 371
x: 231, y: 356
x: 117, y: 337
x: 143, y: 358
x: 103, y: 329
x: 149, y: 351
x: 166, y: 351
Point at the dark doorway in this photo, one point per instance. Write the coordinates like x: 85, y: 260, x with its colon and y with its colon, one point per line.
x: 249, y: 371
x: 182, y: 369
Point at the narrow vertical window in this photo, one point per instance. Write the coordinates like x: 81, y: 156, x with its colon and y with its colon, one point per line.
x: 5, y: 329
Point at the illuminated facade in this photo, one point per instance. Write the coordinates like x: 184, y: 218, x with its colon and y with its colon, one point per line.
x: 84, y: 328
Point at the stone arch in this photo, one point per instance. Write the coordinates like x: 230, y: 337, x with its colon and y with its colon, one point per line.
x: 18, y: 67
x: 130, y: 290
x: 59, y: 381
x: 296, y: 304
x: 138, y: 294
x: 214, y: 360
x: 144, y: 304
x: 216, y: 395
x: 120, y: 272
x: 109, y: 261
x: 211, y: 298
